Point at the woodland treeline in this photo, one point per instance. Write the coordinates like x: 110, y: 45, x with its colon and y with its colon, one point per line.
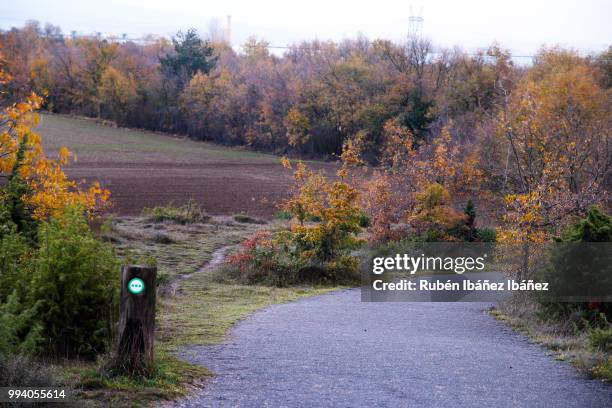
x: 309, y: 101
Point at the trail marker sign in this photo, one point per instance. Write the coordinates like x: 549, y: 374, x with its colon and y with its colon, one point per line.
x: 136, y: 286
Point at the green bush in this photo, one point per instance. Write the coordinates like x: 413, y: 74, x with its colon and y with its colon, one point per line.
x: 15, y: 215
x: 187, y: 214
x: 435, y: 234
x: 73, y: 285
x: 14, y: 249
x: 364, y: 221
x: 284, y: 215
x: 344, y: 269
x: 596, y: 227
x: 57, y: 287
x: 20, y: 333
x: 601, y: 339
x: 486, y: 235
x: 604, y: 370
x: 568, y: 269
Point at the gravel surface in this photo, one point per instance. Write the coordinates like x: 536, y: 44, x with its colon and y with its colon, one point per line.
x: 335, y: 351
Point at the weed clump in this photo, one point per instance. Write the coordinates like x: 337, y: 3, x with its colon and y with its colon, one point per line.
x: 22, y: 371
x: 246, y: 219
x: 601, y: 339
x: 487, y: 235
x: 189, y: 213
x: 164, y: 239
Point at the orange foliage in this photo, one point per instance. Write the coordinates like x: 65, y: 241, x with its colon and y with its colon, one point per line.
x: 52, y: 191
x: 399, y: 196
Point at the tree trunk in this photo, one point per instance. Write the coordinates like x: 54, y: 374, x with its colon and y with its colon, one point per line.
x: 525, y: 268
x: 137, y: 320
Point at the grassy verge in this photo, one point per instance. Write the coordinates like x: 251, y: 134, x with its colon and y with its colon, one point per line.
x: 566, y: 343
x: 203, y: 311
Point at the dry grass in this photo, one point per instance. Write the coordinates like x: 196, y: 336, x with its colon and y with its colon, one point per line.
x: 177, y: 248
x: 522, y: 313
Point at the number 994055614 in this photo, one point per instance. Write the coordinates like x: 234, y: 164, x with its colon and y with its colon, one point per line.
x: 9, y: 394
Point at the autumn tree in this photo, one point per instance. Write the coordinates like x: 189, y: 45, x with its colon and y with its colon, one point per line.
x: 331, y: 206
x: 24, y: 52
x: 316, y: 245
x: 46, y: 191
x: 556, y: 128
x: 298, y: 127
x: 422, y: 183
x: 116, y: 92
x: 414, y: 92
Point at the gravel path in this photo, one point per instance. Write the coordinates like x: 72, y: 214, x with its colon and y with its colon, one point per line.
x: 335, y: 351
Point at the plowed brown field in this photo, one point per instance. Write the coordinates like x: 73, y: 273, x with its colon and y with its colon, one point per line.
x: 144, y: 169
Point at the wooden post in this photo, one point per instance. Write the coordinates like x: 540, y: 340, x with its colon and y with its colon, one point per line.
x: 136, y: 329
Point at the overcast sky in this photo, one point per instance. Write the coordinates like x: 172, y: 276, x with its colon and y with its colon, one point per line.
x: 521, y: 25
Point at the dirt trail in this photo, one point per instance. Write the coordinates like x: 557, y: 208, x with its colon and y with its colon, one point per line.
x: 218, y: 256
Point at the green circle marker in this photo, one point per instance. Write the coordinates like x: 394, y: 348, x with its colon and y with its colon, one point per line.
x: 136, y: 286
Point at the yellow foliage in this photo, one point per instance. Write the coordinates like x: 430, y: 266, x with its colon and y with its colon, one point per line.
x: 434, y: 209
x: 298, y: 126
x: 308, y: 197
x: 523, y: 219
x: 331, y: 208
x: 52, y: 190
x: 556, y: 125
x: 115, y: 89
x: 398, y: 146
x: 352, y: 150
